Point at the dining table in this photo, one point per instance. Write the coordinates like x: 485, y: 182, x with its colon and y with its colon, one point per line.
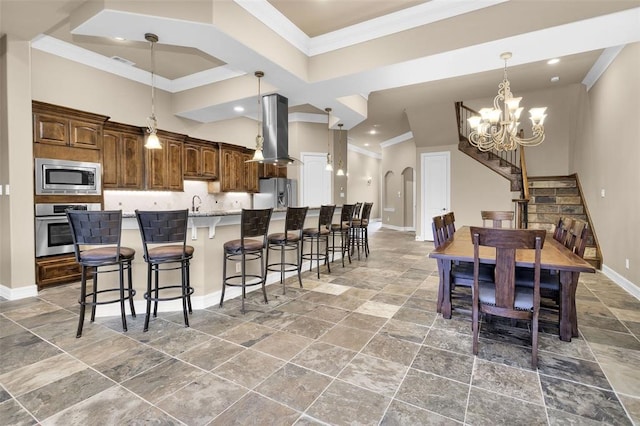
x: 554, y: 256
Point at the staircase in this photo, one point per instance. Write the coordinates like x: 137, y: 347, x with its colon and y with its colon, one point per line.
x: 544, y: 200
x: 506, y: 164
x: 556, y: 196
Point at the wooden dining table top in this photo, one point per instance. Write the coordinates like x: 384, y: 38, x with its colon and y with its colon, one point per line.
x: 554, y: 254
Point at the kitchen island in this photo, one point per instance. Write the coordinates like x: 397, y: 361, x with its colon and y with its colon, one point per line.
x: 207, y: 232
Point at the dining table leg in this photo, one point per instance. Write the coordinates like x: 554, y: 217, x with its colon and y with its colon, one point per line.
x: 568, y: 316
x: 446, y: 289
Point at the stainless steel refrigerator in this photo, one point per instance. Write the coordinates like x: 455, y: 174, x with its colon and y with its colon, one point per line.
x: 277, y: 193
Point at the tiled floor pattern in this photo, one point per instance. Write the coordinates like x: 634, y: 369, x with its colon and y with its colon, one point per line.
x: 362, y: 345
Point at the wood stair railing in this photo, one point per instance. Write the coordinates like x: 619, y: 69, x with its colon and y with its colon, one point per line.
x: 506, y: 164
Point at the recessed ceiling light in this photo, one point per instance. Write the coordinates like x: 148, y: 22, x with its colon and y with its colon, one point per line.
x: 119, y: 38
x: 372, y: 132
x: 555, y: 79
x: 238, y: 108
x: 553, y: 61
x: 366, y: 144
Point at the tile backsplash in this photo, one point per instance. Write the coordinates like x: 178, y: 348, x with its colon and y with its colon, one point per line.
x: 128, y: 201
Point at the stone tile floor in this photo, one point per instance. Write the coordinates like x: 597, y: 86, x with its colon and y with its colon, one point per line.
x: 362, y: 345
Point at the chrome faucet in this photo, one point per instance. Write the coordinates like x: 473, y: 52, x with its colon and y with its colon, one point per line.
x: 195, y: 208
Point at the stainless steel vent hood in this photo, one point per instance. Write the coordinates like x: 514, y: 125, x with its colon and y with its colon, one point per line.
x: 275, y: 129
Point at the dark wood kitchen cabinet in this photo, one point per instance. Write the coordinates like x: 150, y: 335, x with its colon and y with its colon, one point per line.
x: 163, y: 168
x: 236, y: 175
x: 201, y: 159
x: 250, y: 175
x: 272, y: 171
x: 122, y: 157
x: 60, y: 269
x: 56, y: 125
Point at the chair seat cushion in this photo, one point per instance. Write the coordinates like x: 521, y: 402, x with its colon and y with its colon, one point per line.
x: 314, y: 232
x: 169, y: 252
x: 549, y: 280
x: 281, y: 238
x: 523, y: 300
x: 106, y: 254
x: 235, y: 246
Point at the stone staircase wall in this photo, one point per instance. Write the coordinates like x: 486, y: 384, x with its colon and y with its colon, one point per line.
x: 553, y: 197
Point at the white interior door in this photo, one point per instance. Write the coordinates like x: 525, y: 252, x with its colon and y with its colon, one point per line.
x: 315, y: 185
x: 435, y: 188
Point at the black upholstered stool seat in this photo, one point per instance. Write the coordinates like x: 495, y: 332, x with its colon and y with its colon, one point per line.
x: 164, y: 237
x: 288, y: 241
x: 96, y: 242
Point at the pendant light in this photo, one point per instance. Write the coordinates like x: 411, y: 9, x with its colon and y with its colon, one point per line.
x: 152, y: 123
x: 329, y: 166
x: 340, y: 171
x: 258, y: 155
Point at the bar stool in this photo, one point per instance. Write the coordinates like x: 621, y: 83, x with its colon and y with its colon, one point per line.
x: 253, y: 224
x: 359, y: 229
x: 318, y: 235
x: 164, y: 239
x: 101, y: 229
x: 288, y: 240
x: 343, y: 229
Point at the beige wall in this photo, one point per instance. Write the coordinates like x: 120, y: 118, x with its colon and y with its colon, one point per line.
x: 474, y: 187
x: 361, y: 168
x: 395, y: 159
x: 16, y: 209
x: 607, y: 157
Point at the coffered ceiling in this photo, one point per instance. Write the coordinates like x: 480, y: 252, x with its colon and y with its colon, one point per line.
x: 372, y: 61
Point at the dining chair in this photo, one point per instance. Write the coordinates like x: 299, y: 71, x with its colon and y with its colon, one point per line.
x: 562, y: 228
x: 164, y: 240
x: 449, y: 220
x: 496, y: 217
x: 502, y: 297
x: 461, y: 272
x: 254, y: 227
x: 96, y: 243
x: 289, y: 240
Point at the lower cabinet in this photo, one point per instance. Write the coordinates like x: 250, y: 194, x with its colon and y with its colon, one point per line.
x: 57, y: 270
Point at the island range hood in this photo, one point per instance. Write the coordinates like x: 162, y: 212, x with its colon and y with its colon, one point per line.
x: 275, y: 130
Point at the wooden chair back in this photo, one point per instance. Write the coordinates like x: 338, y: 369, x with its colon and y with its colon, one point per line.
x: 504, y: 298
x: 449, y: 220
x: 496, y: 217
x: 439, y: 231
x: 576, y: 239
x: 562, y: 229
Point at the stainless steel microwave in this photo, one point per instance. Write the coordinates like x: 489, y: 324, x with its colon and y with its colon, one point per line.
x: 67, y: 177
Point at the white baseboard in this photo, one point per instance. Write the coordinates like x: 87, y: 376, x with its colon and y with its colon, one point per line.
x: 398, y: 228
x: 18, y: 293
x: 621, y: 281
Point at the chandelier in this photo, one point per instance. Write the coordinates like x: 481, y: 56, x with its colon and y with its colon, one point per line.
x: 497, y: 127
x: 340, y: 171
x: 329, y: 166
x: 152, y: 123
x: 257, y: 155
